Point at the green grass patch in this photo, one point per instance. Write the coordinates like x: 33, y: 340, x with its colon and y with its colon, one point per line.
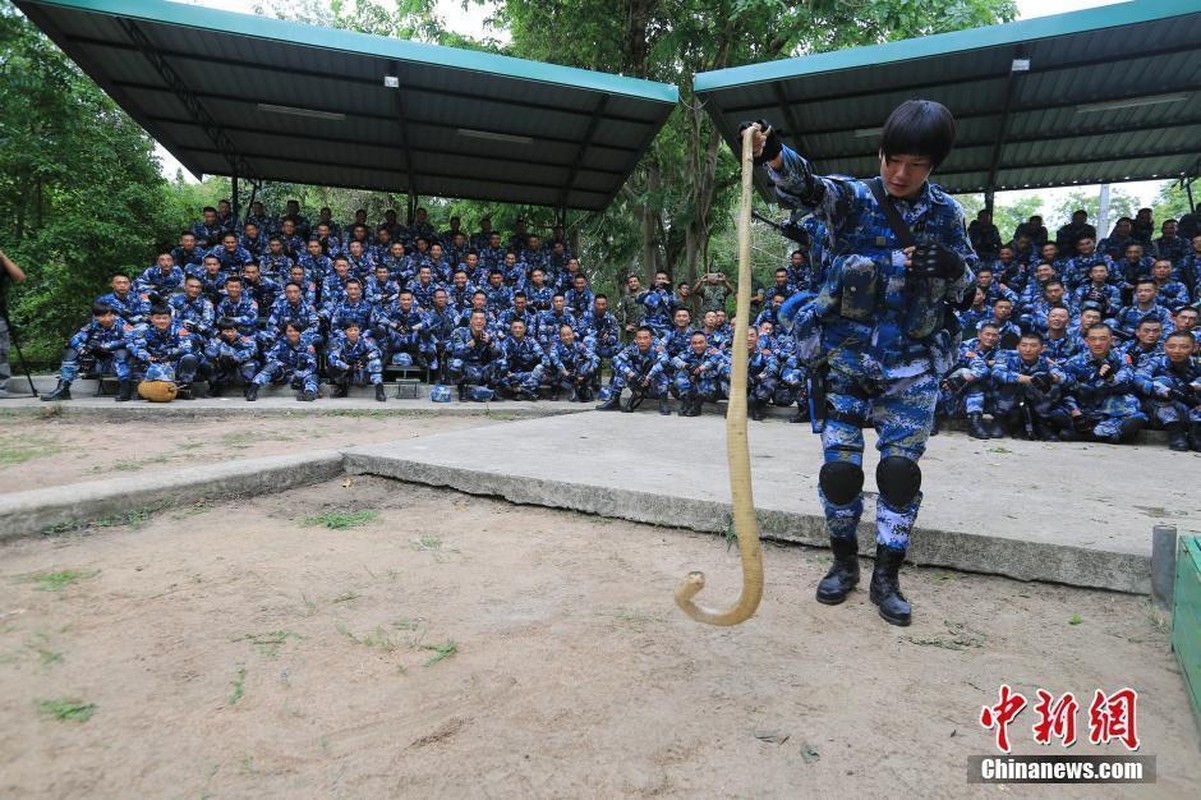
x: 67, y: 709
x: 134, y: 518
x: 442, y: 651
x: 238, y: 686
x: 1076, y: 619
x: 57, y: 581
x: 377, y: 639
x: 269, y: 643
x: 17, y: 448
x: 341, y: 520
x: 48, y: 657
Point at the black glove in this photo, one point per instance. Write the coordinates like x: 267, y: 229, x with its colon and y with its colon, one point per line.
x: 771, y: 148
x: 933, y: 260
x: 1041, y: 381
x: 953, y: 383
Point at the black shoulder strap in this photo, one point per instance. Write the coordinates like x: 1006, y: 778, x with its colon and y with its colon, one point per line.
x: 904, y: 235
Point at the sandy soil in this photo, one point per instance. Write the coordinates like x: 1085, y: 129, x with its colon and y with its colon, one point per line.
x: 35, y: 453
x: 462, y: 647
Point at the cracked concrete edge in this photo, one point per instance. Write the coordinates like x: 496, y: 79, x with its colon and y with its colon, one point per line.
x: 196, y: 409
x: 968, y: 552
x: 63, y: 508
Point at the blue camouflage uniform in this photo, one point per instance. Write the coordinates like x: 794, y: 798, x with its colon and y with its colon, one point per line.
x: 539, y: 297
x: 244, y: 313
x: 472, y: 361
x: 1104, y: 403
x: 196, y: 315
x: 1040, y: 397
x: 660, y: 305
x: 133, y: 308
x: 294, y: 365
x: 549, y: 323
x: 185, y: 258
x: 1172, y: 392
x: 885, y: 335
x: 163, y: 355
x: 263, y: 291
x: 232, y: 261
x: 571, y: 368
x: 107, y: 346
x: 975, y: 396
x: 231, y: 361
x: 520, y: 367
x: 1172, y: 294
x: 1127, y: 319
x: 155, y: 280
x: 362, y: 313
x: 1060, y: 350
x: 359, y: 362
x: 643, y: 372
x: 697, y: 376
x: 302, y: 314
x: 603, y: 332
x: 402, y: 331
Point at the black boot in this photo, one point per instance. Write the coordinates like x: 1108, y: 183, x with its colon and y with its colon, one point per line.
x: 184, y: 392
x: 802, y: 413
x: 124, y: 391
x: 341, y: 389
x: 612, y: 404
x: 685, y: 407
x: 252, y: 392
x: 936, y: 425
x: 60, y: 392
x: 663, y: 408
x: 975, y: 426
x: 844, y: 572
x: 1129, y: 430
x: 216, y: 388
x: 379, y: 393
x: 307, y: 396
x: 462, y: 393
x: 886, y: 587
x: 758, y: 410
x: 1177, y: 436
x: 1196, y: 436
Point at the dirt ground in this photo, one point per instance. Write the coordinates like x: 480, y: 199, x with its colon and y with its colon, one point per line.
x: 36, y: 453
x: 455, y: 646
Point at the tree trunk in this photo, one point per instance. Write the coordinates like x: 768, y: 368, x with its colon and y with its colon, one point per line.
x: 651, y: 220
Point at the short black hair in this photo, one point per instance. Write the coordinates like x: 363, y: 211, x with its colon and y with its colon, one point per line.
x: 225, y: 323
x: 919, y: 128
x: 160, y: 308
x: 100, y: 309
x: 1032, y: 335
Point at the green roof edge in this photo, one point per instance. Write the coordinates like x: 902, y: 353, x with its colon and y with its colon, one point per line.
x: 258, y: 27
x: 1073, y: 22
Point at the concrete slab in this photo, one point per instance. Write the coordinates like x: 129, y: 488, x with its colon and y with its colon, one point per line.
x: 1078, y: 514
x: 34, y: 512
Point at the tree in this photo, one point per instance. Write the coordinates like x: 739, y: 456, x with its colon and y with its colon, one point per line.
x: 80, y: 190
x: 1121, y: 204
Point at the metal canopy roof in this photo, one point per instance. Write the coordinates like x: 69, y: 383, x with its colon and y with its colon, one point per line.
x: 234, y: 94
x: 1110, y: 94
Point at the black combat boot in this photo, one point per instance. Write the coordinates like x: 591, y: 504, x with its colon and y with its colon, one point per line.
x: 663, y: 407
x: 844, y: 572
x: 802, y: 413
x: 612, y: 404
x: 1177, y: 436
x: 252, y: 392
x: 1196, y: 436
x: 462, y: 393
x: 341, y: 389
x: 124, y: 391
x: 60, y: 392
x: 936, y: 425
x: 379, y: 393
x: 184, y: 392
x: 307, y: 396
x: 758, y: 410
x: 975, y: 426
x: 885, y: 590
x: 1129, y: 430
x: 216, y: 388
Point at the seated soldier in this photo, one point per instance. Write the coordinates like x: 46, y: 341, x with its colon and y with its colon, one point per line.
x: 641, y: 366
x: 1171, y: 294
x: 1127, y: 319
x: 1027, y: 388
x: 252, y: 240
x: 230, y: 359
x: 163, y: 279
x: 1098, y: 290
x: 441, y: 322
x: 521, y: 364
x: 102, y: 340
x: 600, y: 329
x: 579, y: 297
x: 538, y: 292
x: 572, y: 365
x: 260, y: 289
x: 1008, y: 331
x: 793, y: 386
x: 212, y: 280
x: 977, y: 313
x: 1058, y: 343
x: 698, y: 371
x: 231, y: 255
x: 275, y: 263
x: 1099, y: 403
x: 1171, y: 387
x: 187, y: 255
x: 402, y: 328
x: 131, y: 307
x: 549, y: 322
x: 163, y: 351
x: 1186, y: 322
x: 351, y: 307
x: 239, y: 307
x: 354, y: 358
x: 381, y: 291
x: 291, y: 307
x: 966, y: 389
x: 193, y: 310
x: 289, y: 361
x: 1148, y: 342
x: 519, y: 311
x: 762, y: 373
x: 473, y: 355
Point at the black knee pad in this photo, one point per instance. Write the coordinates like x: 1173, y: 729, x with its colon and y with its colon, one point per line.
x: 899, y: 480
x: 840, y: 481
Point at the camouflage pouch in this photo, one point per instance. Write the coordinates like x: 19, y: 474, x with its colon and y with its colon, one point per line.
x: 859, y: 288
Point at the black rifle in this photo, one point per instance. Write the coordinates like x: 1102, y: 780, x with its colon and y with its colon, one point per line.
x: 789, y: 230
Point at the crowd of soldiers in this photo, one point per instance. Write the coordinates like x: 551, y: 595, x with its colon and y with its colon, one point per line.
x: 1067, y: 338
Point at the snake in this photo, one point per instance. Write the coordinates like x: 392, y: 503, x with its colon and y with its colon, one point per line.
x: 738, y: 452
